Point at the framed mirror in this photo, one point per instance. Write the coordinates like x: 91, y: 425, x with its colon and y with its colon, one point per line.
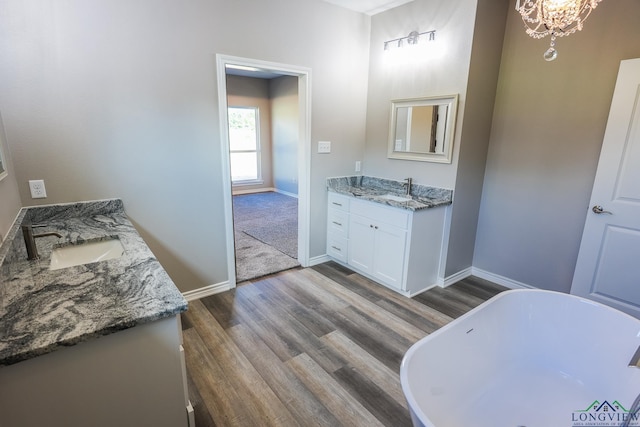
x: 422, y: 128
x: 3, y: 165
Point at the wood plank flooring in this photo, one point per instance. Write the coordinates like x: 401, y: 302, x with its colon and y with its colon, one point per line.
x: 320, y: 346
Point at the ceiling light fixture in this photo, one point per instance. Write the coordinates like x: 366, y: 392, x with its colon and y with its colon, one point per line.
x: 412, y: 39
x: 555, y: 18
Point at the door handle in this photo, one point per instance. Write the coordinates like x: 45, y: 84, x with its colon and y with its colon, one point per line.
x: 598, y: 210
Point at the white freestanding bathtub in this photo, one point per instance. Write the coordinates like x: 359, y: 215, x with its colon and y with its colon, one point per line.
x: 526, y: 358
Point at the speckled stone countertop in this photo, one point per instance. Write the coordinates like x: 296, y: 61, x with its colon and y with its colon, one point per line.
x: 374, y: 189
x: 42, y: 310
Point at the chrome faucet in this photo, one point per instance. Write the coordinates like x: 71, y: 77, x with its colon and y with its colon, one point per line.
x: 407, y: 183
x: 30, y: 239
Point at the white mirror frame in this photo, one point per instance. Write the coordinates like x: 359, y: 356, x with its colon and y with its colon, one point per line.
x: 452, y: 103
x: 3, y: 164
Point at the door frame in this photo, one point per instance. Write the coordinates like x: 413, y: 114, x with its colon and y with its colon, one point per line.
x: 304, y: 151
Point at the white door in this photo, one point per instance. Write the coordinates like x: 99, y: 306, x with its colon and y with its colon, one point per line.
x: 608, y: 267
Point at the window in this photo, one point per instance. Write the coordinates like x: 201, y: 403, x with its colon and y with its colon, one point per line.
x: 244, y: 145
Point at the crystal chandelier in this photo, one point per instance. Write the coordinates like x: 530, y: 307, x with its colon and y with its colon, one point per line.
x: 557, y: 18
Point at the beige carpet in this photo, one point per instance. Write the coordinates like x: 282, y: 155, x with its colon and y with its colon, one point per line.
x: 272, y: 218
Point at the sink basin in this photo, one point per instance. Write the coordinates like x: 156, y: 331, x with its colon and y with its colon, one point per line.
x: 85, y: 253
x: 395, y: 198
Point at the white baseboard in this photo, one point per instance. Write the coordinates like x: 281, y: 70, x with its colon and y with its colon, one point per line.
x: 206, y: 291
x: 492, y: 277
x: 286, y: 193
x: 318, y: 260
x: 236, y: 192
x: 500, y: 280
x: 456, y: 277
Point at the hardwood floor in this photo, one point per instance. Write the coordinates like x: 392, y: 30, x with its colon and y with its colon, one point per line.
x: 319, y: 346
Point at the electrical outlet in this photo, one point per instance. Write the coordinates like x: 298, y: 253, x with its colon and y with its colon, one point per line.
x: 37, y: 189
x: 358, y: 166
x: 324, y: 147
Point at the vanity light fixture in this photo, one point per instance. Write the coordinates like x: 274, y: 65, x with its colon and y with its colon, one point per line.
x: 413, y: 38
x: 555, y: 18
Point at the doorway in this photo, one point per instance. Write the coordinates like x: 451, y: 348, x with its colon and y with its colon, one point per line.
x: 262, y: 69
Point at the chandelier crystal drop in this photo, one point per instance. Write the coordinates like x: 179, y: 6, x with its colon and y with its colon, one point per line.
x: 555, y: 18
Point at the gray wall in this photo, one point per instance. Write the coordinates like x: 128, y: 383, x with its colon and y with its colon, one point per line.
x: 547, y: 131
x: 475, y: 132
x: 9, y: 196
x: 114, y: 98
x: 471, y: 43
x: 252, y: 92
x: 412, y: 76
x: 284, y: 126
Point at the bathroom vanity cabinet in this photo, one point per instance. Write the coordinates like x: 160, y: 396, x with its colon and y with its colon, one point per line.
x: 135, y: 377
x: 97, y: 342
x: 396, y: 247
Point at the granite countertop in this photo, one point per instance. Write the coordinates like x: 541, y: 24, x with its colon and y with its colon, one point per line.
x: 42, y: 310
x: 375, y: 189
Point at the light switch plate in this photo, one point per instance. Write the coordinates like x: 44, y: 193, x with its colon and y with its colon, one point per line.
x: 324, y: 147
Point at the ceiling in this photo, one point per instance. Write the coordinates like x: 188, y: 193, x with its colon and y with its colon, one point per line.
x: 369, y: 7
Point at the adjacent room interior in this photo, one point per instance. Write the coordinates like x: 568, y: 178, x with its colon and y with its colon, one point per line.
x: 263, y: 144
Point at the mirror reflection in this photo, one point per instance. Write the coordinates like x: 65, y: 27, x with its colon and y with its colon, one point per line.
x: 422, y: 129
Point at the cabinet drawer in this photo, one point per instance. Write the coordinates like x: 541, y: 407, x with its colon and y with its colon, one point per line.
x: 337, y: 247
x: 378, y: 213
x: 339, y: 201
x: 338, y: 222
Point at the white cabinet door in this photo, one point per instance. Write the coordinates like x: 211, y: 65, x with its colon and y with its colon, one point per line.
x: 377, y: 249
x: 361, y: 241
x: 388, y: 254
